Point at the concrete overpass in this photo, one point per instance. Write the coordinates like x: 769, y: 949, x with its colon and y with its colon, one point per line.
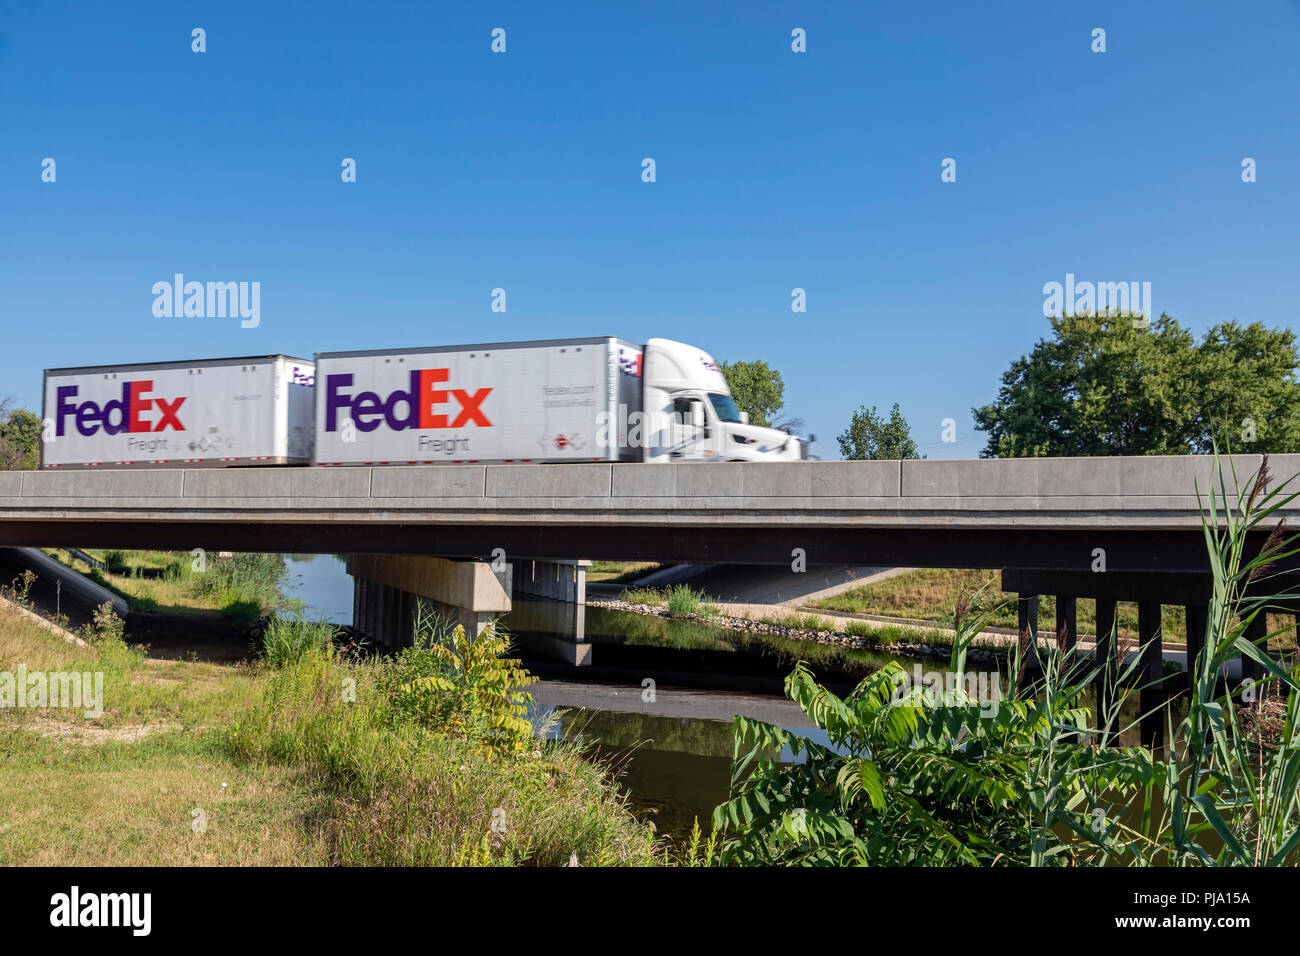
x: 1041, y: 520
x: 1043, y: 514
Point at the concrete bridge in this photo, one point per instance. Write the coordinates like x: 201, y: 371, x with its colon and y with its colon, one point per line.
x: 1045, y: 514
x: 1045, y: 521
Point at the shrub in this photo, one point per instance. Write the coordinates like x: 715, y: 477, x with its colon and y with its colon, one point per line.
x: 107, y: 627
x: 21, y: 587
x: 455, y: 685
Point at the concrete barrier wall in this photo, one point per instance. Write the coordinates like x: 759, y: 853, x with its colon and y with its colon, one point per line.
x: 958, y: 487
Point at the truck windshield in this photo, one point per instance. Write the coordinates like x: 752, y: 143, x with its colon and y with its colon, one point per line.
x: 725, y: 407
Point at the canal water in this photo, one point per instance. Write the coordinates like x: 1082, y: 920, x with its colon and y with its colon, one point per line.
x: 655, y: 697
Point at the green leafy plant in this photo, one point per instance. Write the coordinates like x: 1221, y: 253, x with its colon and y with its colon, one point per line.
x: 937, y: 777
x: 460, y: 686
x: 928, y: 775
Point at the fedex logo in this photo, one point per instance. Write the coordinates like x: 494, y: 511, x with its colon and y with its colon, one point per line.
x: 629, y: 362
x: 419, y: 404
x: 130, y: 410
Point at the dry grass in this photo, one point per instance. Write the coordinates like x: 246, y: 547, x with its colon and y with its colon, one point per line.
x: 133, y: 805
x: 121, y: 790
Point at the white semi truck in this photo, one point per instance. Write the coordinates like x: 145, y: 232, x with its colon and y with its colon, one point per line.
x: 213, y: 413
x: 594, y: 399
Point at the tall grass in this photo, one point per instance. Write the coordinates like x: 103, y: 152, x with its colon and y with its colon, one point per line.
x: 244, y: 584
x: 287, y: 640
x: 403, y: 793
x: 683, y: 601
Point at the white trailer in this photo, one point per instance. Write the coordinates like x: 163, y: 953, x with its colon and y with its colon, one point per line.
x: 213, y: 412
x: 594, y: 399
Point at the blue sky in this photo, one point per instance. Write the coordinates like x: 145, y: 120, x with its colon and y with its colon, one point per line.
x: 522, y: 170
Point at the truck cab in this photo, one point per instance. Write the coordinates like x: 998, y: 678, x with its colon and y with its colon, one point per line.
x: 691, y: 415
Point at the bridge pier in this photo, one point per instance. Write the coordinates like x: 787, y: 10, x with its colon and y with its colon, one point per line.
x: 1151, y: 673
x: 559, y: 580
x: 1150, y: 591
x: 387, y: 590
x: 1106, y: 658
x: 1198, y: 620
x: 1067, y: 622
x: 1027, y: 629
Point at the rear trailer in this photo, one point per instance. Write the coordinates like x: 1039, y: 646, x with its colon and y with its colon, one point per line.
x: 207, y: 413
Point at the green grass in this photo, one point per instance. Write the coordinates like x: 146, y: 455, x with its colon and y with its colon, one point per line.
x: 314, y: 774
x: 681, y: 600
x: 652, y: 596
x: 620, y: 572
x: 287, y: 640
x: 240, y: 588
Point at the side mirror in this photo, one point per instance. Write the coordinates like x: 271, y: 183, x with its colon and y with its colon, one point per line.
x: 744, y: 418
x: 697, y: 414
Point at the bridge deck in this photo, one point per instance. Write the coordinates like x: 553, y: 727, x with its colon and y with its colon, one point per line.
x: 1138, y: 493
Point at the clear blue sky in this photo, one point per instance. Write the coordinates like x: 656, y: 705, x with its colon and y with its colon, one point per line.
x: 523, y: 171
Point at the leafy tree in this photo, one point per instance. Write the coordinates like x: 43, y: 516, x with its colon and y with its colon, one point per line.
x: 1105, y: 386
x: 871, y: 436
x: 756, y: 388
x: 20, y: 439
x: 1246, y: 375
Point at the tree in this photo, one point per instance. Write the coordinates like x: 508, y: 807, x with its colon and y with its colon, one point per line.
x: 1247, y: 393
x: 756, y: 389
x: 1105, y: 386
x: 20, y: 439
x: 870, y: 436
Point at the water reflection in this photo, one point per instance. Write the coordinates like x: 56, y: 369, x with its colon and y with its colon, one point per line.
x: 321, y: 582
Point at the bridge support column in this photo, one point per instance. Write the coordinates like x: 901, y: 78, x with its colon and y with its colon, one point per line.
x: 1067, y: 622
x: 563, y: 580
x: 1152, y: 673
x: 1106, y: 658
x: 1027, y: 629
x: 387, y: 590
x: 385, y: 615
